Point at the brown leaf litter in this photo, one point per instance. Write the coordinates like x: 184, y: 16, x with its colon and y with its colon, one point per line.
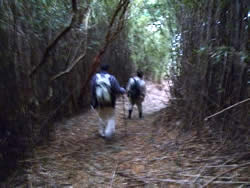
x: 152, y: 154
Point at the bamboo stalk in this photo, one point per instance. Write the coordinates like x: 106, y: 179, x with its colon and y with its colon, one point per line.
x: 232, y: 106
x: 113, y: 176
x: 225, y: 172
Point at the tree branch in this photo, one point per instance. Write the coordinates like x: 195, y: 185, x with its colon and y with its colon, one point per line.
x: 76, y: 61
x: 110, y: 36
x: 55, y: 41
x: 246, y: 100
x: 74, y: 6
x: 122, y: 5
x: 69, y: 68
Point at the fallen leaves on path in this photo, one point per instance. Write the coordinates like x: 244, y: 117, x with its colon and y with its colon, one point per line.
x: 147, y: 152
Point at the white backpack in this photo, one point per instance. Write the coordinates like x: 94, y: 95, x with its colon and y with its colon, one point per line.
x: 103, y: 89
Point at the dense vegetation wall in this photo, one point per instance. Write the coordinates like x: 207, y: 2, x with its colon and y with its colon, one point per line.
x: 31, y: 104
x: 212, y: 61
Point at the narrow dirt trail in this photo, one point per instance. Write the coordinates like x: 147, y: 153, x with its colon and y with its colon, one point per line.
x: 78, y: 157
x: 149, y: 155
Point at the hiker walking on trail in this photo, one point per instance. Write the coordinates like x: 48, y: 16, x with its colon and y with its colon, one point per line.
x: 136, y: 90
x: 104, y: 89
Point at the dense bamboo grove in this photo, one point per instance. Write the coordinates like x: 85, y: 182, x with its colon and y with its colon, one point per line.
x: 212, y: 63
x: 49, y: 49
x: 46, y: 51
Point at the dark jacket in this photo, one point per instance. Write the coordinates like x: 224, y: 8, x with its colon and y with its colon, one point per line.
x: 115, y: 89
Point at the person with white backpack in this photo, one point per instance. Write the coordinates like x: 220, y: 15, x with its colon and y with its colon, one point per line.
x: 104, y: 89
x: 136, y: 90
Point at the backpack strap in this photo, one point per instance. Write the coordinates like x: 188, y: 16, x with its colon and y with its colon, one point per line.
x: 99, y: 75
x: 136, y: 82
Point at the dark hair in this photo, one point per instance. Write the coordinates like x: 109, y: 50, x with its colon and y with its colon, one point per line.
x: 139, y: 74
x: 104, y: 67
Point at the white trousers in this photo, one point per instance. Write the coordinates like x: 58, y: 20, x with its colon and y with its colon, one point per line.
x: 106, y: 121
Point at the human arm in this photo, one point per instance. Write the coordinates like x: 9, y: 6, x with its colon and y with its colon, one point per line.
x: 116, y: 86
x: 130, y: 82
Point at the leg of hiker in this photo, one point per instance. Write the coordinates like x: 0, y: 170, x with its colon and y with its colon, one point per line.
x: 102, y: 121
x: 130, y: 110
x: 101, y: 128
x: 110, y: 128
x: 139, y: 106
x: 107, y: 124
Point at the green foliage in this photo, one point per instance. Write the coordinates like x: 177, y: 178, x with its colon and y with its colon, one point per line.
x: 39, y: 16
x: 149, y: 36
x: 217, y: 54
x: 101, y: 15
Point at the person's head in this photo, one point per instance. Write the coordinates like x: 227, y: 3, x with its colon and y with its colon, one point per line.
x: 104, y: 67
x: 139, y: 74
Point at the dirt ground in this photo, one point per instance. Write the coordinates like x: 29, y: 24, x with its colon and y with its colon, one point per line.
x: 145, y: 152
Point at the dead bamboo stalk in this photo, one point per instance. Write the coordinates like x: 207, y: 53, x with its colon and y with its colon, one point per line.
x: 113, y: 175
x: 232, y: 106
x: 225, y: 172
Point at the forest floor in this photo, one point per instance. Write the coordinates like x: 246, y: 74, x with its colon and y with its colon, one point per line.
x: 146, y: 152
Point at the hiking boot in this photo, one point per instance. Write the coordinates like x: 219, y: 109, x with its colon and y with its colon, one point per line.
x: 129, y: 114
x: 100, y: 136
